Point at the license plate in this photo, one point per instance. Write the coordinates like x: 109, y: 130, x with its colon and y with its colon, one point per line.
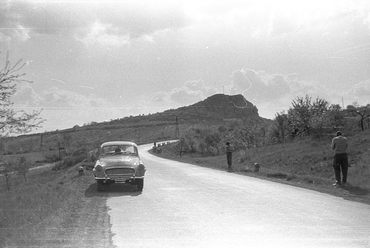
x: 120, y: 179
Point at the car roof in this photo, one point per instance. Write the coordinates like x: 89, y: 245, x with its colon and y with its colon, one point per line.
x: 111, y: 143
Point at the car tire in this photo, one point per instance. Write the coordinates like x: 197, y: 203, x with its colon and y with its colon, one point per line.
x: 101, y: 185
x: 140, y: 184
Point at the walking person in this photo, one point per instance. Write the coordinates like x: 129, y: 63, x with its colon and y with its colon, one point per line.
x: 229, y: 155
x: 339, y: 145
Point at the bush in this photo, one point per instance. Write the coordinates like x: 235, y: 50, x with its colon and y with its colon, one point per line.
x: 51, y: 158
x: 69, y: 162
x: 79, y: 152
x: 73, y: 160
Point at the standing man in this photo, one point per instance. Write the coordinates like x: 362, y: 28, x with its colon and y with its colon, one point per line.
x: 229, y: 155
x: 339, y: 145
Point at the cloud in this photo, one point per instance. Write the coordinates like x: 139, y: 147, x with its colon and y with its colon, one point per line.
x: 184, y: 96
x: 141, y: 18
x: 12, y: 24
x: 280, y: 24
x: 57, y: 80
x: 272, y: 93
x: 190, y: 93
x: 111, y: 22
x: 361, y: 89
x: 259, y: 86
x: 26, y: 96
x: 21, y: 19
x: 86, y: 87
x: 359, y: 93
x: 292, y: 17
x: 105, y: 35
x: 367, y: 21
x: 160, y: 96
x: 64, y: 109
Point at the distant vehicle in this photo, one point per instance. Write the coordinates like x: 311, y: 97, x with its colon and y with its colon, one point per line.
x: 119, y: 162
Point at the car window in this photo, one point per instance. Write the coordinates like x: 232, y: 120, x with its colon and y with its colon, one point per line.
x: 118, y: 149
x: 129, y: 149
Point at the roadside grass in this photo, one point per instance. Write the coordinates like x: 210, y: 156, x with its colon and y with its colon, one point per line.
x: 305, y: 163
x: 33, y: 157
x: 33, y: 211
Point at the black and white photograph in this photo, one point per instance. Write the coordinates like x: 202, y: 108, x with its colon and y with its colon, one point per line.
x: 184, y: 123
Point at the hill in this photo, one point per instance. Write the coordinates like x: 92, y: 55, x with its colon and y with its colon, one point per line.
x: 213, y: 111
x: 218, y: 108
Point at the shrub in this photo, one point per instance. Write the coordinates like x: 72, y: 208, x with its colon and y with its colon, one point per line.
x: 79, y: 152
x: 51, y: 158
x: 69, y: 162
x: 73, y: 160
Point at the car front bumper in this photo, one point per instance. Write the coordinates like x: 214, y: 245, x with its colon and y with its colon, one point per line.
x: 118, y: 178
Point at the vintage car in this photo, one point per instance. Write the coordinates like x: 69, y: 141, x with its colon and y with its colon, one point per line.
x: 119, y: 162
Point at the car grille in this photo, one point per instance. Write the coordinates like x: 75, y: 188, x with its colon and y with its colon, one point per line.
x: 119, y: 171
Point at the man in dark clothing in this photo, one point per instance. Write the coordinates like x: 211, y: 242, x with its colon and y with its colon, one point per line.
x: 340, y: 145
x: 229, y: 154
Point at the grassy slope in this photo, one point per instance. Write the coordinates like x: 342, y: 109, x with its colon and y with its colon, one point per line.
x: 53, y: 209
x: 303, y: 163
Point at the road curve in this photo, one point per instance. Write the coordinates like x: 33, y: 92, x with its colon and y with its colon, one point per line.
x: 183, y: 205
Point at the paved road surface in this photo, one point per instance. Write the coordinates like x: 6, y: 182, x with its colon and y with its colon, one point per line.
x: 184, y: 205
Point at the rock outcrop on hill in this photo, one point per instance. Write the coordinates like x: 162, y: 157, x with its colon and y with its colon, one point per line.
x: 222, y: 106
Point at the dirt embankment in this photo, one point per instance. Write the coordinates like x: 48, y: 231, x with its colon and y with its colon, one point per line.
x: 85, y: 226
x: 54, y: 209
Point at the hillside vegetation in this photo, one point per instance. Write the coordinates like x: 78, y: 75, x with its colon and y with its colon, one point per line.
x: 305, y: 162
x: 294, y: 148
x: 215, y: 110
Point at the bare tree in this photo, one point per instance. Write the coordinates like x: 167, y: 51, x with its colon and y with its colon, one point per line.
x: 11, y: 120
x: 22, y: 167
x: 7, y: 170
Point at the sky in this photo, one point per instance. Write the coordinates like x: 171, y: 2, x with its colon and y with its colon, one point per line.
x: 101, y: 60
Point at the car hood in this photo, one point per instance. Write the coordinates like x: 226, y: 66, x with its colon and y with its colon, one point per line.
x: 119, y: 160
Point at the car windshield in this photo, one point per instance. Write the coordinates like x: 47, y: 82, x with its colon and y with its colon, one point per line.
x: 118, y: 149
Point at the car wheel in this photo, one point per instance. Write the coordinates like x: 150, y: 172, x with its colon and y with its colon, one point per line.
x: 101, y: 185
x: 140, y: 184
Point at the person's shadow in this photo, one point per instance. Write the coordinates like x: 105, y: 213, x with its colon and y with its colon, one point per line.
x: 355, y: 190
x: 113, y: 190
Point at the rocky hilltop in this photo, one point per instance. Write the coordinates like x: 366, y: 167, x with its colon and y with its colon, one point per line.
x: 220, y: 107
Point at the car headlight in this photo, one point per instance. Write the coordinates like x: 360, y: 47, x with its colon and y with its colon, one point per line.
x: 98, y: 168
x: 140, y: 170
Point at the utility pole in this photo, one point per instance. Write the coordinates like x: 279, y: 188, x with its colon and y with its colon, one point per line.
x: 41, y: 141
x: 177, y: 130
x: 342, y: 103
x: 138, y: 135
x: 59, y: 148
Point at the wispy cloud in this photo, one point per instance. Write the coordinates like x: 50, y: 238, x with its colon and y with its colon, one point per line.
x: 63, y: 108
x: 191, y: 92
x: 105, y: 35
x: 57, y: 80
x: 86, y: 87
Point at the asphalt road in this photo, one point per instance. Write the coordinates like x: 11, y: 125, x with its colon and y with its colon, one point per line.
x: 184, y: 205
